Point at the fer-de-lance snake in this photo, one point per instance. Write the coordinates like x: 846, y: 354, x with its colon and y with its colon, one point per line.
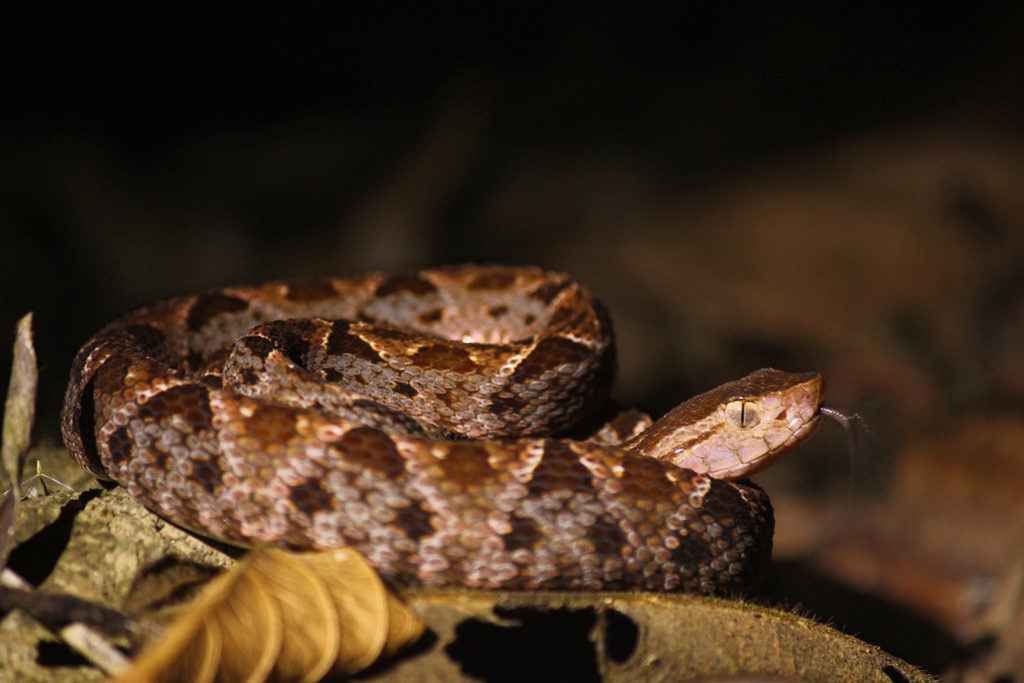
x: 409, y: 416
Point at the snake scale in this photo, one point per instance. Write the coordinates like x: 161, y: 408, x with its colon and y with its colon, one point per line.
x: 409, y: 416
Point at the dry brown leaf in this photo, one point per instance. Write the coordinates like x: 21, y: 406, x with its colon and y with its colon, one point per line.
x: 19, y: 408
x: 651, y: 637
x: 404, y: 626
x: 19, y: 414
x: 307, y: 614
x: 359, y: 598
x: 282, y: 616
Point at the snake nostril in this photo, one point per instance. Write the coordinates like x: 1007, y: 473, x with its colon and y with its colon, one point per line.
x: 783, y: 414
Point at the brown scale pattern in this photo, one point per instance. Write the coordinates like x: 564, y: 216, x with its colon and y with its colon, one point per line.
x: 329, y: 430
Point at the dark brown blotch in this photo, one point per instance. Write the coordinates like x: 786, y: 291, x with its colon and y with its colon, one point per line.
x: 271, y: 424
x: 108, y: 377
x: 494, y: 279
x: 390, y: 333
x: 310, y: 497
x: 467, y: 464
x: 208, y: 306
x: 259, y: 346
x: 568, y: 317
x: 547, y: 292
x: 497, y: 311
x: 507, y: 405
x: 414, y: 521
x: 295, y: 338
x: 211, y: 381
x: 404, y: 389
x: 191, y: 401
x: 559, y: 469
x: 405, y: 282
x: 431, y: 316
x: 444, y: 356
x: 607, y: 537
x: 342, y: 341
x: 550, y: 353
x: 525, y: 534
x: 120, y: 447
x: 368, y: 448
x: 146, y: 336
x: 310, y: 290
x: 207, y: 474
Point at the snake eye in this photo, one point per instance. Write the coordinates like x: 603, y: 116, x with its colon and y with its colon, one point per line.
x: 742, y: 414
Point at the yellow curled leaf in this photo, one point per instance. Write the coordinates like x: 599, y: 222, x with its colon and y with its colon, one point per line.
x: 283, y: 616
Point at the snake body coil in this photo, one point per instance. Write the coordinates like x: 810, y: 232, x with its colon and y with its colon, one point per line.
x: 407, y: 416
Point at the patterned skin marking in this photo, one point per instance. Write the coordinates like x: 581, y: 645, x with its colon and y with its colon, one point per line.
x: 492, y: 279
x: 445, y: 356
x: 329, y: 429
x: 146, y: 336
x: 313, y: 290
x: 344, y: 341
x: 547, y: 292
x: 404, y: 389
x: 409, y: 283
x: 208, y: 306
x: 431, y: 316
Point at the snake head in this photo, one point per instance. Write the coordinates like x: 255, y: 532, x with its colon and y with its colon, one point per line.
x: 738, y: 428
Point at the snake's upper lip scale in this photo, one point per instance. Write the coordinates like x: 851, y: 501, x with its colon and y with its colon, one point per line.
x: 806, y: 429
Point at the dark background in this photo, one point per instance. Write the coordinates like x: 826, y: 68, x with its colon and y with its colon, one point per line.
x: 151, y: 152
x: 159, y: 151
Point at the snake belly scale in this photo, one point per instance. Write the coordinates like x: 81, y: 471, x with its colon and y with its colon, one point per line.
x: 409, y: 416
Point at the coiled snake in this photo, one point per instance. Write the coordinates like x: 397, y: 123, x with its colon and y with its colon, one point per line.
x: 408, y: 416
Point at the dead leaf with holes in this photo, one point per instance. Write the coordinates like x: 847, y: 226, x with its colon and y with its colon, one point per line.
x: 281, y: 615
